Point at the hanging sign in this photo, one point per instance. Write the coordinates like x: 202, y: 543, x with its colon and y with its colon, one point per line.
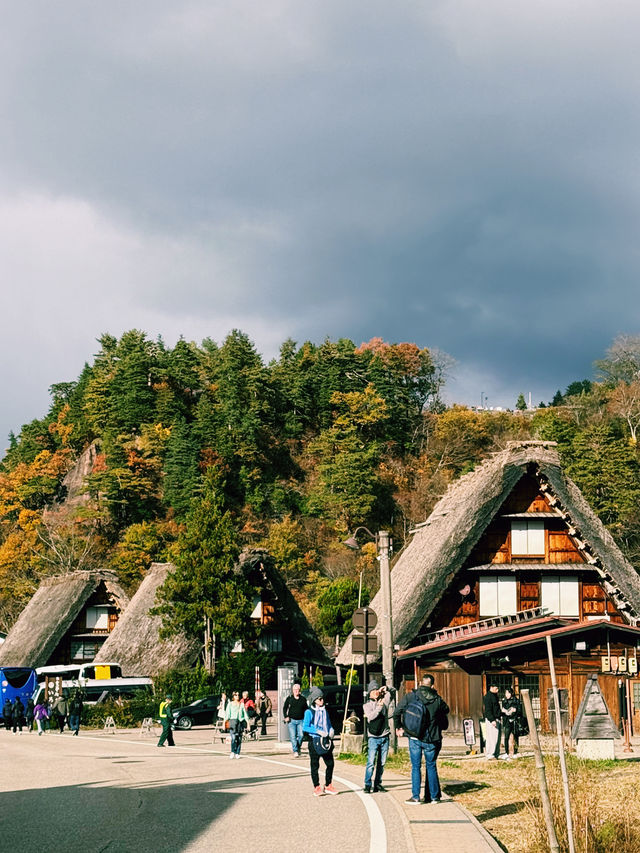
x: 633, y: 666
x: 606, y: 663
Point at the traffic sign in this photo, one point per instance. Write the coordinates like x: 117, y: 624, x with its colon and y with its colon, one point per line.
x: 364, y: 616
x: 357, y: 644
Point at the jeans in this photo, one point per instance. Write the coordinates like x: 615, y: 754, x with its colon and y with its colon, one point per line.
x: 378, y: 746
x: 295, y: 734
x: 74, y: 722
x: 418, y: 748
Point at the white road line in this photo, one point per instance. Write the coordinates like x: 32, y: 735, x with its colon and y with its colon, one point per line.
x: 377, y: 828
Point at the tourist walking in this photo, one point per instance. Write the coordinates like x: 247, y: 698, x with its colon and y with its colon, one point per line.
x: 17, y: 714
x: 376, y: 710
x: 492, y: 720
x: 511, y: 712
x: 28, y: 713
x: 263, y: 707
x: 7, y: 714
x: 422, y: 715
x: 41, y: 714
x: 317, y: 725
x: 293, y: 712
x: 166, y: 719
x: 75, y: 712
x: 237, y: 715
x: 61, y: 709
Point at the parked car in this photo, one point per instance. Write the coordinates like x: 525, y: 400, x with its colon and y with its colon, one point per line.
x: 202, y: 712
x: 335, y: 697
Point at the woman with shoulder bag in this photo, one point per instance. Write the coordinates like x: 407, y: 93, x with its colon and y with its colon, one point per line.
x: 236, y: 714
x: 317, y: 726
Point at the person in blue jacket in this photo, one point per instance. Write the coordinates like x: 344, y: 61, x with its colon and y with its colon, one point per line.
x: 317, y: 726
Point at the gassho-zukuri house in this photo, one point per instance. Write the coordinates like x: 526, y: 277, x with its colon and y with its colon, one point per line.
x: 513, y: 554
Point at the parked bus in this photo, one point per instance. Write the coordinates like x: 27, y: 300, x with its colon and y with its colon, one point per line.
x: 17, y: 681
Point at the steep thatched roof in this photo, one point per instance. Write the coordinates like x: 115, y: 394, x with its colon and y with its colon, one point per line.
x: 441, y: 545
x: 135, y: 641
x: 300, y: 633
x: 51, y: 612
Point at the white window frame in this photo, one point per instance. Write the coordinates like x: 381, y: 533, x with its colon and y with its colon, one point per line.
x: 498, y: 595
x: 527, y: 537
x: 97, y: 617
x: 560, y: 594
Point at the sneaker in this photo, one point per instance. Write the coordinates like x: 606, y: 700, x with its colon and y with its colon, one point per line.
x: 413, y: 801
x: 231, y: 754
x: 296, y: 755
x: 317, y: 791
x: 367, y: 789
x: 237, y: 755
x: 379, y: 789
x: 329, y: 789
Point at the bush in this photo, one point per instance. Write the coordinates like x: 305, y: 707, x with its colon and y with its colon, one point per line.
x: 127, y: 713
x: 184, y: 685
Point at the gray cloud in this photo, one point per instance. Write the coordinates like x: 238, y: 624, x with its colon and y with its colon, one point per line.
x: 464, y: 178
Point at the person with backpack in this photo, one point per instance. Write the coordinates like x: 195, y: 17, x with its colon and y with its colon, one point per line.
x: 75, y: 712
x: 376, y: 710
x: 422, y: 715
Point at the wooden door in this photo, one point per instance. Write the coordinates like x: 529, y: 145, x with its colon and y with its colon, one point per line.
x: 635, y: 705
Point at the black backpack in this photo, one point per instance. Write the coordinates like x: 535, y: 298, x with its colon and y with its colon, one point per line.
x: 415, y: 717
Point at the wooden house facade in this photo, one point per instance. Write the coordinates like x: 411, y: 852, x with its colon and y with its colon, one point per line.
x: 511, y: 555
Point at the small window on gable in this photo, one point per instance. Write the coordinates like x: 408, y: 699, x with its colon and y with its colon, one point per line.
x: 560, y: 594
x: 527, y: 537
x: 498, y: 595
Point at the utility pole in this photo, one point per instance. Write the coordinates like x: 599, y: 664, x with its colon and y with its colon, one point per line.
x: 386, y: 627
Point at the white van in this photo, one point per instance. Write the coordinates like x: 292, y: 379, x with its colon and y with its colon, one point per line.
x: 95, y: 691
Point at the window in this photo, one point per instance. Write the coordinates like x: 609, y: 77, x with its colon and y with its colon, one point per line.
x: 256, y: 613
x: 270, y: 641
x: 560, y: 595
x: 527, y: 537
x: 98, y: 618
x: 497, y: 595
x: 85, y: 649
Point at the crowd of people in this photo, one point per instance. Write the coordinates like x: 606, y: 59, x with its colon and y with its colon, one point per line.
x: 46, y: 714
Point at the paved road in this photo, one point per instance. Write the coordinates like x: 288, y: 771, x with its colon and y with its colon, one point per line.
x: 114, y: 794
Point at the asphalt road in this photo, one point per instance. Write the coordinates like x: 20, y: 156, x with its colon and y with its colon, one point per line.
x: 113, y: 793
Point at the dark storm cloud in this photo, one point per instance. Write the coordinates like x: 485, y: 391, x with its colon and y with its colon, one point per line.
x: 463, y: 177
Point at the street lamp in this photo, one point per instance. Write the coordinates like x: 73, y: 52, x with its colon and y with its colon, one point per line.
x: 383, y: 545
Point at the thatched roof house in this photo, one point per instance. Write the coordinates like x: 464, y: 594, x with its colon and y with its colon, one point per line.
x: 135, y: 643
x: 428, y: 566
x: 44, y: 630
x: 279, y: 608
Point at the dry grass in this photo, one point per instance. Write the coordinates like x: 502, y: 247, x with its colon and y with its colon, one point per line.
x: 504, y: 796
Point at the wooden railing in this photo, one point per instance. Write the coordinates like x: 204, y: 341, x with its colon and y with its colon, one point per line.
x: 470, y: 628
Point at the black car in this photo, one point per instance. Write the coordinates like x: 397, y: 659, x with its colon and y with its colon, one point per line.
x: 202, y: 712
x: 335, y: 697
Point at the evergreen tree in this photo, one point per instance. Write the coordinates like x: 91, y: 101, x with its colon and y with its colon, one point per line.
x: 521, y: 403
x: 205, y: 597
x: 181, y: 472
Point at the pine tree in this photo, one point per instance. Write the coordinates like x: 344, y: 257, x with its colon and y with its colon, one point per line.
x: 205, y: 597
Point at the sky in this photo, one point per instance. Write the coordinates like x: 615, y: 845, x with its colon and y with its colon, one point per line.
x: 464, y: 176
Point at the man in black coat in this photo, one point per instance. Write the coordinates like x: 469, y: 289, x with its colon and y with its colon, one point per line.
x: 429, y: 744
x: 492, y: 720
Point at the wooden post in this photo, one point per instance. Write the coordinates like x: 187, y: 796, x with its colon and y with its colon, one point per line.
x: 542, y: 777
x: 561, y: 755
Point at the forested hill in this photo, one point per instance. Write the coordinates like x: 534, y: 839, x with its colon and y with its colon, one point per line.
x: 322, y: 439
